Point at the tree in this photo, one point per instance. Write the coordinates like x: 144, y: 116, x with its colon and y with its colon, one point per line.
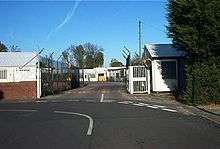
x: 115, y: 63
x: 78, y: 53
x: 87, y: 55
x: 3, y: 48
x: 99, y: 59
x: 194, y: 27
x: 136, y: 60
x: 94, y: 55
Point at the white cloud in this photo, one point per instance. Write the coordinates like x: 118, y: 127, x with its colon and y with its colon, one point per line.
x: 66, y: 20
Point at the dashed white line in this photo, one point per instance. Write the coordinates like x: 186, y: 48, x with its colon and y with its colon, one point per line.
x: 138, y: 104
x: 159, y: 106
x: 170, y: 110
x: 102, y: 98
x: 41, y: 101
x: 126, y: 102
x: 143, y: 104
x: 89, y: 131
x: 153, y: 107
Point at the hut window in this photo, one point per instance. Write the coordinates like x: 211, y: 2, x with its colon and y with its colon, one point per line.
x: 3, y: 74
x: 168, y: 69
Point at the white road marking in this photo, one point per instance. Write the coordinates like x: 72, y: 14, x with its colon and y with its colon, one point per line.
x: 102, y: 98
x: 138, y: 104
x: 89, y: 132
x: 153, y: 107
x: 126, y: 102
x: 159, y: 106
x: 41, y: 101
x: 170, y: 110
x: 108, y: 101
x: 16, y: 110
x: 144, y: 104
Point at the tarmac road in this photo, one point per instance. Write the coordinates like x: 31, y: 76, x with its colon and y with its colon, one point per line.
x: 65, y: 120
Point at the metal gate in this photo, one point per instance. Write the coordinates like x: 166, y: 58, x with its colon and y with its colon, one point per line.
x: 138, y: 79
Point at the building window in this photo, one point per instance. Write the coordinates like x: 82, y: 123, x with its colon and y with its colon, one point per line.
x: 101, y: 74
x: 3, y: 74
x: 92, y: 75
x: 168, y: 69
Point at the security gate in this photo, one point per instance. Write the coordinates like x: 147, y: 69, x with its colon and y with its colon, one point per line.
x: 138, y: 79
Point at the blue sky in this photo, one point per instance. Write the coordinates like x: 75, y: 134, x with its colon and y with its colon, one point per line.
x: 56, y: 25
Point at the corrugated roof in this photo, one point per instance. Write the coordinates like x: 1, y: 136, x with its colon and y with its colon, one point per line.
x: 163, y: 50
x: 17, y: 59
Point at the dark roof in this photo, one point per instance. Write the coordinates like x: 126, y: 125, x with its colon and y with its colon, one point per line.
x: 163, y: 50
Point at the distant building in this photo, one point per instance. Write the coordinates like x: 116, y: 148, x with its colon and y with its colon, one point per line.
x: 101, y: 74
x: 93, y: 75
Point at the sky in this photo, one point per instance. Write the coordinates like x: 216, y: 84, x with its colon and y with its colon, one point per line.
x: 55, y: 25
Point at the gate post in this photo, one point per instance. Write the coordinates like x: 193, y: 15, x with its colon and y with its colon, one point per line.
x: 148, y: 81
x: 131, y: 87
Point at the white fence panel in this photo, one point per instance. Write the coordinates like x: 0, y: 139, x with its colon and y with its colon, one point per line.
x: 138, y: 79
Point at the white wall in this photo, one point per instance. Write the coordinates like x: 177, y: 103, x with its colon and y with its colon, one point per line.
x: 158, y: 83
x: 14, y: 74
x: 94, y: 72
x: 29, y: 73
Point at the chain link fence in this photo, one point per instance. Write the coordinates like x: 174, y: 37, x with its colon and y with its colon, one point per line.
x: 57, y: 76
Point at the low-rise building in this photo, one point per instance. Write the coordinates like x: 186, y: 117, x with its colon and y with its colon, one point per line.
x: 19, y: 75
x: 101, y: 74
x: 93, y: 75
x: 26, y: 75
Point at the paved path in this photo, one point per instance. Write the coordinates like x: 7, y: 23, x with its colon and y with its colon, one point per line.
x: 63, y: 121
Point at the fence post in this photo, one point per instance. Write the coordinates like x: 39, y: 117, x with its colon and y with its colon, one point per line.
x: 57, y: 78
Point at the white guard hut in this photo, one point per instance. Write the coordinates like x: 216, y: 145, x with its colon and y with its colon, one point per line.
x: 167, y: 67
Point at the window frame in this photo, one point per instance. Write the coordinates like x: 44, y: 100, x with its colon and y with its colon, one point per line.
x: 3, y: 74
x: 169, y: 74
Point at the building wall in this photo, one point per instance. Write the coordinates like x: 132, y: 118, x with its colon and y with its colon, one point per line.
x: 92, y: 75
x: 20, y: 83
x: 15, y: 74
x: 18, y: 90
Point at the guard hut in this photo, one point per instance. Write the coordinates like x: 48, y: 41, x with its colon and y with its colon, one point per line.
x: 167, y: 71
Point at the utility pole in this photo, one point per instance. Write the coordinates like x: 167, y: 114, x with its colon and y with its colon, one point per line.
x: 140, y: 38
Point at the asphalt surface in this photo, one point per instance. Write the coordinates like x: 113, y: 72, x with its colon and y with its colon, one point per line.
x: 117, y: 123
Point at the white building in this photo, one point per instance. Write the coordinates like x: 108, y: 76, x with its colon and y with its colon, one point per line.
x: 94, y: 75
x: 103, y: 74
x: 20, y: 75
x: 26, y: 75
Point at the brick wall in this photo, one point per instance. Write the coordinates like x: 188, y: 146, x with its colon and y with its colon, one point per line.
x: 18, y: 90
